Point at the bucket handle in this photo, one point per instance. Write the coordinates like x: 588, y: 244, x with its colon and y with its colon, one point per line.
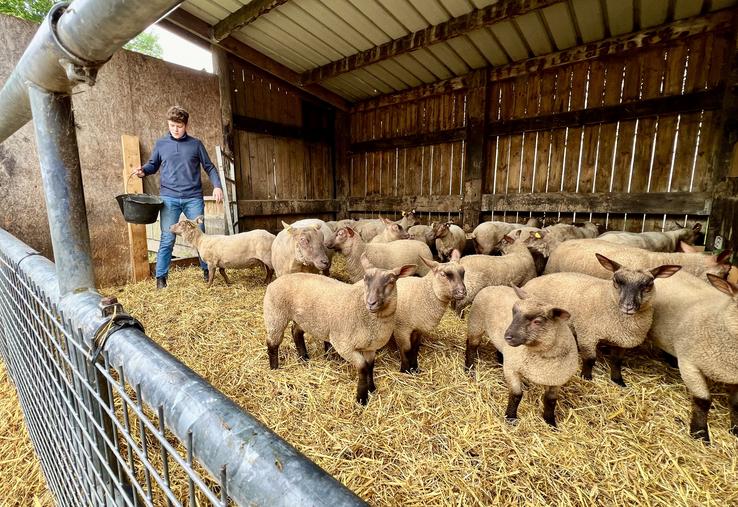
x: 127, y: 180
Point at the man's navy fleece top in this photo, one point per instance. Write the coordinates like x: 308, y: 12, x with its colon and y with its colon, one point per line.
x: 180, y: 161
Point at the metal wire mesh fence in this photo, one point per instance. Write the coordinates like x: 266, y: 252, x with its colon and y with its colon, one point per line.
x: 133, y: 426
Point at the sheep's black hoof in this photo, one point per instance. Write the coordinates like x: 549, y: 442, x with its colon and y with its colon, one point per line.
x: 700, y: 435
x: 734, y: 431
x: 511, y: 420
x: 587, y: 376
x: 619, y: 382
x: 362, y: 400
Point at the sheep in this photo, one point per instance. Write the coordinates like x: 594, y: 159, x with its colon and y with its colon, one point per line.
x: 243, y: 250
x: 335, y: 225
x: 566, y: 232
x: 299, y: 249
x: 408, y: 219
x: 421, y: 304
x: 487, y: 235
x: 392, y: 232
x: 700, y: 328
x: 423, y: 233
x: 356, y: 319
x: 535, y: 341
x: 533, y: 222
x: 654, y: 241
x: 324, y: 227
x: 383, y: 255
x: 618, y: 312
x: 516, y: 267
x: 449, y: 237
x: 369, y: 228
x: 578, y: 256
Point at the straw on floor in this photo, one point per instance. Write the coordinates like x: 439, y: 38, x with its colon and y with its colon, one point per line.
x: 439, y: 437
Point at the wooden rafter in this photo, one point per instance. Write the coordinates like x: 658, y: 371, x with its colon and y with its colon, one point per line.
x: 243, y: 17
x: 181, y: 20
x: 504, y: 9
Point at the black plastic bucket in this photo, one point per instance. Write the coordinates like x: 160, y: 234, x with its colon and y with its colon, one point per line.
x: 139, y: 208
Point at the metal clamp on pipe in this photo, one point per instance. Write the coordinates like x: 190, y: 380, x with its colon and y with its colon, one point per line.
x: 77, y: 69
x: 118, y: 319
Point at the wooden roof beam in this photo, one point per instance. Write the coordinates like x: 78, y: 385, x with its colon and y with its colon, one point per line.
x: 243, y: 17
x: 181, y: 20
x: 479, y: 18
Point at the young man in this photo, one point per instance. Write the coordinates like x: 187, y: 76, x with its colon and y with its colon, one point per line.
x: 179, y: 156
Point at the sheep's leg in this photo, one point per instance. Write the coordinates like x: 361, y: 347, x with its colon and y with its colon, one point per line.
x: 515, y: 385
x: 616, y: 366
x: 274, y: 339
x: 327, y: 346
x: 550, y: 396
x: 472, y: 345
x: 211, y: 275
x: 415, y: 339
x: 269, y: 274
x: 225, y: 277
x: 500, y: 358
x: 370, y: 356
x: 733, y: 402
x: 701, y: 400
x: 298, y: 335
x: 403, y: 339
x: 589, y: 357
x: 362, y: 367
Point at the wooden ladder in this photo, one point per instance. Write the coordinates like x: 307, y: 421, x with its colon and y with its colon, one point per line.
x: 227, y: 175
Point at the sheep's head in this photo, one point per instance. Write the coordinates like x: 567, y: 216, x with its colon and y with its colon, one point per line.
x: 379, y: 284
x: 395, y: 230
x: 718, y: 265
x: 343, y: 239
x: 533, y: 321
x: 409, y: 217
x: 448, y: 278
x: 633, y: 289
x: 309, y: 247
x: 187, y: 228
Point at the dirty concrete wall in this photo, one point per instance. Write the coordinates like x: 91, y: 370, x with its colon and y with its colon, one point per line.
x: 131, y: 96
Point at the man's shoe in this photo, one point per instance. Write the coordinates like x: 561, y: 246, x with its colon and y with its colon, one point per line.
x: 205, y: 275
x: 161, y: 282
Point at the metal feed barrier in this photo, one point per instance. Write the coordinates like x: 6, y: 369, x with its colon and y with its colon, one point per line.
x: 136, y: 426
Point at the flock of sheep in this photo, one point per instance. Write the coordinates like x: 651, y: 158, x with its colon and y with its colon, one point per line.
x: 552, y: 297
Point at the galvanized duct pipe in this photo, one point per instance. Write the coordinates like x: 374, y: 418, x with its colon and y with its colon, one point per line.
x: 69, y: 47
x: 262, y: 468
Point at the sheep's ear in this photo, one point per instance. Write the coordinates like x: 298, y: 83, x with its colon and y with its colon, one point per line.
x: 200, y: 219
x: 608, y: 264
x: 365, y: 262
x: 455, y: 255
x: 316, y: 227
x: 412, y: 212
x: 428, y: 262
x: 385, y: 221
x: 560, y: 313
x: 350, y: 231
x: 508, y: 239
x: 404, y: 213
x: 722, y: 285
x: 723, y: 257
x: 696, y: 227
x: 520, y: 292
x: 407, y: 270
x: 665, y: 271
x: 286, y: 226
x: 515, y: 234
x: 687, y: 248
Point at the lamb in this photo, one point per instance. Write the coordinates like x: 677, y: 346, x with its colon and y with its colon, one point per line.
x: 356, y: 319
x: 299, y: 249
x: 243, y: 250
x: 408, y: 219
x: 700, y: 327
x: 578, y: 256
x: 566, y: 232
x: 449, y: 237
x: 618, y: 312
x: 383, y: 255
x: 423, y: 233
x: 369, y: 228
x: 421, y: 304
x: 535, y: 341
x: 488, y: 235
x: 335, y: 225
x: 392, y: 232
x: 516, y: 267
x: 324, y: 227
x: 654, y: 241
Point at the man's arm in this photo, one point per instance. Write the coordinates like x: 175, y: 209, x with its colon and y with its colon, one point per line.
x: 151, y: 166
x: 212, y: 173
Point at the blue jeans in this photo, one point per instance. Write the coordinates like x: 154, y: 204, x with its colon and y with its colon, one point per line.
x: 168, y: 216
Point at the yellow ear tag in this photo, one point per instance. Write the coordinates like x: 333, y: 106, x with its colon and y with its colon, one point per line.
x: 537, y: 235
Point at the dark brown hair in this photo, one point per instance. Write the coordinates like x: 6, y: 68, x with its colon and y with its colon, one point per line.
x: 178, y: 114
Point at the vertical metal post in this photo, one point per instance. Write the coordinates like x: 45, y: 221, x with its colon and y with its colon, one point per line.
x: 56, y: 142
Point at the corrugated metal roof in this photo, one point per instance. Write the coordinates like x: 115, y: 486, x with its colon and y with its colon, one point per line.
x: 306, y: 34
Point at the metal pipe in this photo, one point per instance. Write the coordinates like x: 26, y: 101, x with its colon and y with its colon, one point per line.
x: 56, y: 143
x: 69, y: 47
x: 262, y: 468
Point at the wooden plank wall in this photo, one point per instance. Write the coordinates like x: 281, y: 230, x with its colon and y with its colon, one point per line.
x: 646, y: 154
x: 657, y: 154
x: 271, y: 167
x: 428, y: 170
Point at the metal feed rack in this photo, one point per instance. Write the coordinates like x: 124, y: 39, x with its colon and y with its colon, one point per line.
x: 115, y: 419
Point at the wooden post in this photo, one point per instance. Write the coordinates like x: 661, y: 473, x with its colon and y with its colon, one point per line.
x: 474, y: 168
x: 341, y: 163
x: 724, y: 171
x: 138, y: 248
x: 222, y: 69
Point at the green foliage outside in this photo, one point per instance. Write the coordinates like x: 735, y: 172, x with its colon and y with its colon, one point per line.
x: 35, y: 10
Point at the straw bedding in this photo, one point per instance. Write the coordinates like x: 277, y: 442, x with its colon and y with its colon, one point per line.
x: 439, y: 437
